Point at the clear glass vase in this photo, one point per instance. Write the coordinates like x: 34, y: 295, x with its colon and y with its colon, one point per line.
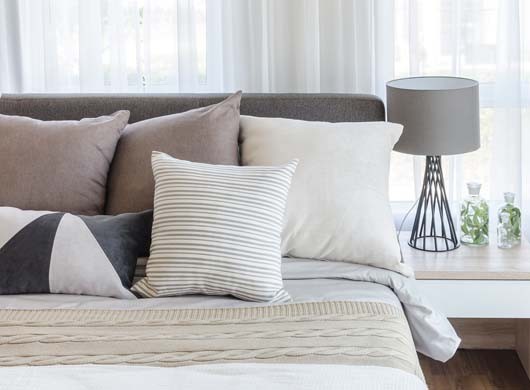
x: 509, y: 223
x: 474, y: 217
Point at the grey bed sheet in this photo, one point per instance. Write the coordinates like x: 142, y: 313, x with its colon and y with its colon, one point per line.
x: 305, y: 280
x: 305, y: 290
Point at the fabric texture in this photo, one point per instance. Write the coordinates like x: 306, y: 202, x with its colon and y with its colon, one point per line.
x: 306, y: 281
x: 57, y: 165
x: 330, y: 107
x: 216, y: 230
x: 49, y: 252
x: 337, y: 332
x: 338, y: 206
x: 207, y: 134
x: 229, y: 376
x: 339, y: 46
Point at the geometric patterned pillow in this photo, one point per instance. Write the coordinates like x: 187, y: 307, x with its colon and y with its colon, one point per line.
x: 53, y: 252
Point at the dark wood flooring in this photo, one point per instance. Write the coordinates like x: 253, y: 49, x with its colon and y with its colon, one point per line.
x: 476, y: 370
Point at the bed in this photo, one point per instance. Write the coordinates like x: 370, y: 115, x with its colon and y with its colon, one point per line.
x: 348, y: 326
x: 372, y: 346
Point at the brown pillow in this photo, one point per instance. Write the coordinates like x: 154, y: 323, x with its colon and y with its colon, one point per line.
x: 57, y: 165
x: 207, y: 135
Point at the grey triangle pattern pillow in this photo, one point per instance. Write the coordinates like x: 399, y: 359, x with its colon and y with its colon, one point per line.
x: 216, y: 230
x: 51, y: 252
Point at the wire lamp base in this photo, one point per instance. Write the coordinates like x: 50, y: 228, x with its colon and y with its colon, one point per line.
x: 433, y: 229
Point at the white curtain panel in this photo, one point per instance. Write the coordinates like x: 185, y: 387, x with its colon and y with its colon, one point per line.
x: 197, y: 45
x: 289, y: 46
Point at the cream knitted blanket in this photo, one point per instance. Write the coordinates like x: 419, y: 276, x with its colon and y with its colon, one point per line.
x: 357, y: 333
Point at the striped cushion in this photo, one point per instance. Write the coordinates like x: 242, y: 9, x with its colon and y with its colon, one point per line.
x: 216, y: 230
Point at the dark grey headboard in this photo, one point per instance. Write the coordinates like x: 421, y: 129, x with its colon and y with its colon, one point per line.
x: 316, y: 107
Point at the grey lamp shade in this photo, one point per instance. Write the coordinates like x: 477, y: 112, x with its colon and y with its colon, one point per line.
x: 440, y: 115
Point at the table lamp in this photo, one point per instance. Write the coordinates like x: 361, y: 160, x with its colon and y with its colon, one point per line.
x: 440, y: 116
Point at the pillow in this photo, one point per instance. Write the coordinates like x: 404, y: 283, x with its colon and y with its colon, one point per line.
x: 338, y: 207
x: 207, y: 134
x: 216, y: 230
x: 49, y: 252
x: 57, y: 165
x: 139, y: 271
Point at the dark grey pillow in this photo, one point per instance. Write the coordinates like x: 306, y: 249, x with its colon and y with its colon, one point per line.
x: 50, y: 252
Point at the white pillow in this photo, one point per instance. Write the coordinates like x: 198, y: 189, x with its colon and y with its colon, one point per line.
x: 338, y: 207
x: 217, y: 230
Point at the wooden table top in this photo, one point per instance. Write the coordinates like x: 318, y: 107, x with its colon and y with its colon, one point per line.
x: 467, y: 262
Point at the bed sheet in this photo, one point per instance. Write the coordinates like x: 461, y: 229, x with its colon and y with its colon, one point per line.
x: 218, y: 376
x: 305, y: 290
x: 306, y: 281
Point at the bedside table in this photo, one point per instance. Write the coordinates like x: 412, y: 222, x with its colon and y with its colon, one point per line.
x: 485, y: 292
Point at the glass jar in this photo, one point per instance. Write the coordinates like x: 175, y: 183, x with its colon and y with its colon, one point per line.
x: 474, y: 217
x: 509, y: 216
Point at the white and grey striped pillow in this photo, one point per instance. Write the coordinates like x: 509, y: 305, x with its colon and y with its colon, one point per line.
x: 217, y: 230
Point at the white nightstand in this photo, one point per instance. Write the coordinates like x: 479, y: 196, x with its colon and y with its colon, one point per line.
x: 485, y: 291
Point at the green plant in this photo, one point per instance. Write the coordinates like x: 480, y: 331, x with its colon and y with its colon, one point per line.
x: 475, y: 222
x: 515, y: 219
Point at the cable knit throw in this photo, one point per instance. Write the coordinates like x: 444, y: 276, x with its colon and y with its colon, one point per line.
x: 342, y: 332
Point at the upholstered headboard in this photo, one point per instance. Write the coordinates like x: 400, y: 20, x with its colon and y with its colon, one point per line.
x: 317, y: 107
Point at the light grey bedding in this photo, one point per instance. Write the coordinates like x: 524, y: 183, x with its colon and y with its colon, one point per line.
x: 301, y: 290
x: 213, y: 376
x: 306, y: 281
x: 433, y: 334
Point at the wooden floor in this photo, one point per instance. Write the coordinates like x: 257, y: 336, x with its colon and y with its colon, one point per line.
x: 476, y: 370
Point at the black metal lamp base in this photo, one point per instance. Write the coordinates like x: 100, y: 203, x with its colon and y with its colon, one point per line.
x: 433, y: 229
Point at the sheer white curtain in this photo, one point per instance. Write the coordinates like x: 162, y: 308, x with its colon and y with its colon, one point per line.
x: 289, y: 46
x: 301, y: 45
x: 199, y: 45
x: 10, y: 47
